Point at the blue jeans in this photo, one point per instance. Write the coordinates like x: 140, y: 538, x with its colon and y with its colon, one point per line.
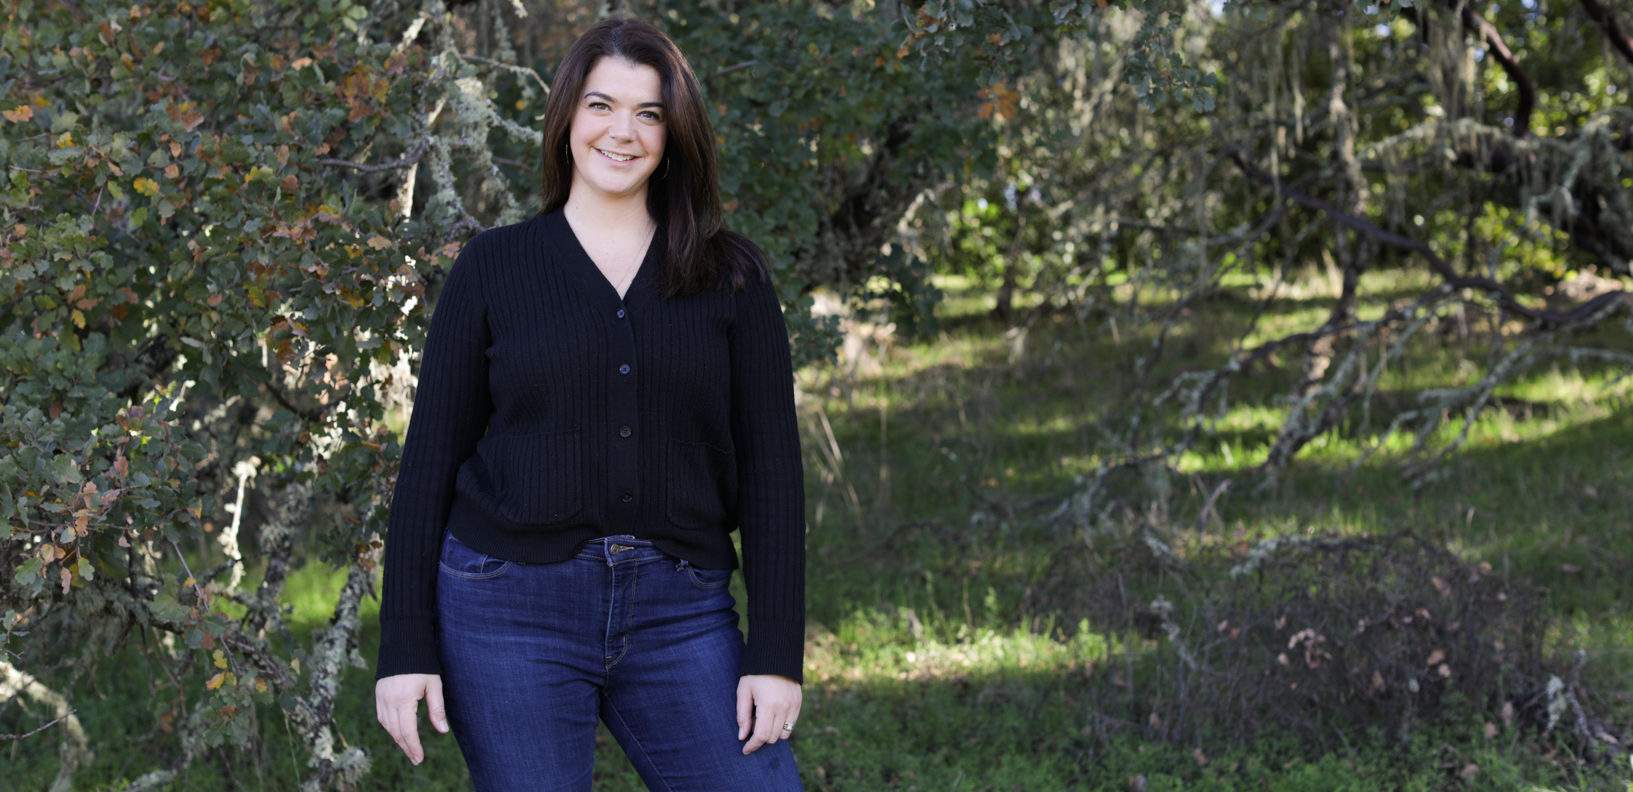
x: 533, y: 654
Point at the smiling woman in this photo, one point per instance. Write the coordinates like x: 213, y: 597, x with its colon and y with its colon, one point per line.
x: 605, y: 396
x: 617, y: 134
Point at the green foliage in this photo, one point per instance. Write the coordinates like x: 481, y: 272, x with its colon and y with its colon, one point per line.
x: 1008, y: 36
x: 979, y: 242
x: 825, y: 130
x: 193, y: 284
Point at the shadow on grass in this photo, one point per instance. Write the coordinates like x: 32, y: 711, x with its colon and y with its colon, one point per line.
x: 948, y: 529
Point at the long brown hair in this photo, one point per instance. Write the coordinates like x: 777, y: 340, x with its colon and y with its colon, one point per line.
x: 683, y: 195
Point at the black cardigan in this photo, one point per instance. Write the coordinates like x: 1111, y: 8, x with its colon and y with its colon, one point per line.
x: 549, y: 412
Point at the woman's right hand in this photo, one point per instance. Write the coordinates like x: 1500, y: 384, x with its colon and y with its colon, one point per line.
x: 397, y: 702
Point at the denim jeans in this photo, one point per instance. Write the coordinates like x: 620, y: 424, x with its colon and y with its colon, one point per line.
x: 533, y: 654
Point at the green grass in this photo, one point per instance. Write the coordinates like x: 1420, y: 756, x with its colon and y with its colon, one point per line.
x: 923, y: 606
x: 931, y: 665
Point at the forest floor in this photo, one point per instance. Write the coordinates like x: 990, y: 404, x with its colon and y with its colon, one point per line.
x: 960, y: 634
x: 953, y: 649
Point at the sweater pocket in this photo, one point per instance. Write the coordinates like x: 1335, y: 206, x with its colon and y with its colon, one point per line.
x: 540, y: 477
x: 702, y: 485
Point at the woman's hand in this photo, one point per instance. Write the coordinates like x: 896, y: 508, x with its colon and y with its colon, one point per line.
x: 397, y: 703
x: 767, y: 709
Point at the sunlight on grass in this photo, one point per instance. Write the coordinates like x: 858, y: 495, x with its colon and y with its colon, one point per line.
x: 1570, y: 386
x: 854, y: 652
x: 1239, y: 439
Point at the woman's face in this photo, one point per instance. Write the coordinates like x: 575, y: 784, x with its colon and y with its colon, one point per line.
x: 617, y: 134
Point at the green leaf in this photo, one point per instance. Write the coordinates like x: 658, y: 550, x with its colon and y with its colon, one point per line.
x: 63, y: 469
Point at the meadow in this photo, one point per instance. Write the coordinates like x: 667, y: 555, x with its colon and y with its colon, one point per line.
x: 959, y: 637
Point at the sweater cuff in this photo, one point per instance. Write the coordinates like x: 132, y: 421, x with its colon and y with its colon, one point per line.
x: 775, y: 647
x: 407, y: 646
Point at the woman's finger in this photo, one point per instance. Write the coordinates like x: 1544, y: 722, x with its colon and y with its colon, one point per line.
x: 745, y: 708
x: 434, y: 706
x: 775, y: 717
x: 408, y: 730
x: 756, y: 737
x: 766, y: 726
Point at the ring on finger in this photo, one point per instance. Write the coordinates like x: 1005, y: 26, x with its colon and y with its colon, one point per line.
x: 788, y: 727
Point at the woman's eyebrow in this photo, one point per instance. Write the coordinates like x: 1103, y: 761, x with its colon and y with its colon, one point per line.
x: 611, y: 100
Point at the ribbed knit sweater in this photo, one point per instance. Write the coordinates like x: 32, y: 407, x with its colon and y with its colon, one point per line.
x: 550, y: 411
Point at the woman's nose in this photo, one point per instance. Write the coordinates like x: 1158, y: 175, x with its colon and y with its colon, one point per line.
x: 622, y: 127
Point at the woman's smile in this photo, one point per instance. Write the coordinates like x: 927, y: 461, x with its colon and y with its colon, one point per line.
x: 615, y: 157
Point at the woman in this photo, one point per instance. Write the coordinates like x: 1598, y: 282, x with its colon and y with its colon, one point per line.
x: 605, y: 394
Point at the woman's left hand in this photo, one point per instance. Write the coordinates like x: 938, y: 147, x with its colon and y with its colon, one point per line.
x: 767, y: 709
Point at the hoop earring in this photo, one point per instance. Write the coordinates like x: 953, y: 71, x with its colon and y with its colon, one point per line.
x: 665, y: 173
x: 566, y: 152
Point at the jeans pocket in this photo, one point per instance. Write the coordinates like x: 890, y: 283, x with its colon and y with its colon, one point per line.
x: 706, y: 579
x: 463, y: 561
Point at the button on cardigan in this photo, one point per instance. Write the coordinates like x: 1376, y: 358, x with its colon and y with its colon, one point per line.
x: 550, y: 411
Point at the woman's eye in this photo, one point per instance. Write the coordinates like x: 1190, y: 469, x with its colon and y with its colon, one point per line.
x: 598, y: 105
x: 651, y: 115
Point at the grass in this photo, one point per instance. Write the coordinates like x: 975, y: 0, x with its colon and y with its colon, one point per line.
x: 931, y: 665
x: 928, y: 541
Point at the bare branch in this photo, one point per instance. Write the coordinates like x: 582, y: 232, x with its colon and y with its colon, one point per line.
x: 160, y: 778
x: 313, y: 416
x: 734, y: 67
x: 1474, y: 23
x: 76, y: 747
x: 511, y: 67
x: 1618, y: 37
x: 412, y: 157
x: 1504, y: 298
x: 47, y: 725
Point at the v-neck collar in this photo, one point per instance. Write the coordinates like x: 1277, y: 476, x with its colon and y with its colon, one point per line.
x: 588, y: 277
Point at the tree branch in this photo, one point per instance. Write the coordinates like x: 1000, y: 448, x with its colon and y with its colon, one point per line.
x: 1488, y: 33
x: 1618, y: 37
x: 510, y: 67
x: 48, y: 724
x: 1474, y: 23
x: 314, y: 416
x: 412, y: 157
x: 332, y: 650
x: 1504, y: 298
x: 76, y: 748
x: 734, y: 67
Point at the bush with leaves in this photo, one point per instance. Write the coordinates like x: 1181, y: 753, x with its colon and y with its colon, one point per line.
x: 202, y: 294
